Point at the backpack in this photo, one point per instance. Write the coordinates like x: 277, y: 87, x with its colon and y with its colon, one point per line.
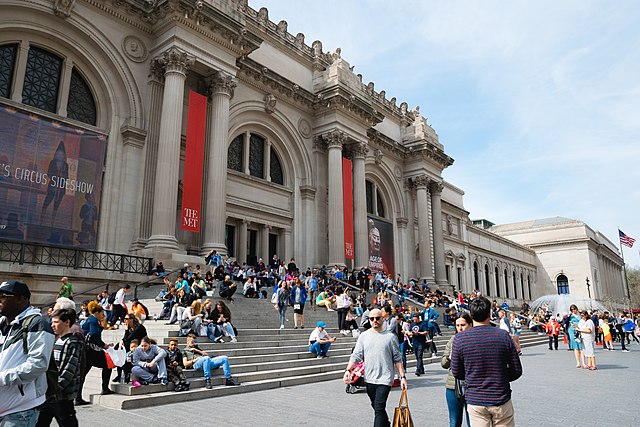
x: 144, y: 307
x: 53, y: 387
x: 112, y: 297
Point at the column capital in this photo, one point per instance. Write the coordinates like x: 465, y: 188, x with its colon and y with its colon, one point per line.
x: 436, y: 187
x: 335, y: 138
x: 175, y: 60
x: 420, y: 181
x: 156, y: 71
x: 221, y: 82
x: 359, y: 150
x: 308, y: 192
x: 402, y: 222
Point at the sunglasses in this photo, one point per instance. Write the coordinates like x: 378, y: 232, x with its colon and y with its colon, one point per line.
x: 375, y: 318
x: 461, y: 324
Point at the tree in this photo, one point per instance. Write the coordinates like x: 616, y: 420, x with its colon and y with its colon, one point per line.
x: 633, y: 280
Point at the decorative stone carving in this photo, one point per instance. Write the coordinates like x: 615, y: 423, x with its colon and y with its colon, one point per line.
x: 436, y: 187
x: 156, y: 71
x: 281, y: 29
x: 421, y: 181
x: 270, y: 102
x: 304, y: 127
x: 222, y: 82
x: 335, y: 138
x: 377, y: 156
x: 175, y: 60
x: 397, y: 172
x: 263, y: 16
x: 317, y: 48
x: 359, y: 149
x: 134, y: 49
x: 299, y: 40
x: 62, y: 8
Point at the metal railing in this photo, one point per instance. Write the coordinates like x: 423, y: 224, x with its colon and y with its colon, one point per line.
x: 76, y: 258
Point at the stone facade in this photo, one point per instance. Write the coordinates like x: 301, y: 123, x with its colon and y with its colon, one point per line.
x: 281, y: 116
x: 568, y: 254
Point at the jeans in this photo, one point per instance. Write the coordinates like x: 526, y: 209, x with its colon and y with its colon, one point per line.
x: 282, y: 309
x: 213, y: 331
x: 319, y: 349
x: 207, y: 363
x: 432, y: 344
x: 149, y: 374
x: 378, y: 394
x: 26, y: 418
x: 418, y: 350
x: 456, y: 408
x: 342, y: 315
x: 62, y: 410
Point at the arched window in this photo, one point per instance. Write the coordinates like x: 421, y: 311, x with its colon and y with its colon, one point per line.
x: 42, y: 83
x: 529, y: 285
x: 497, y: 282
x: 375, y: 201
x: 506, y: 282
x: 563, y: 284
x: 486, y: 280
x: 257, y: 147
x: 476, y: 279
x: 515, y: 286
x: 522, y: 286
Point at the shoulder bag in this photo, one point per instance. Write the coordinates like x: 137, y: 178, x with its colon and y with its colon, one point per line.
x: 402, y: 416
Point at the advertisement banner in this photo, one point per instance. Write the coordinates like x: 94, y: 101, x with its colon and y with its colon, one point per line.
x: 50, y: 180
x: 193, y: 162
x: 381, y: 246
x: 347, y: 199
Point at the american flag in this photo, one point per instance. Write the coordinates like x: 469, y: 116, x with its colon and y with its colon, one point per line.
x: 626, y: 240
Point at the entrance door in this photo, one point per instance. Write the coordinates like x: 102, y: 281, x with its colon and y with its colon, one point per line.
x: 252, y: 248
x: 230, y: 239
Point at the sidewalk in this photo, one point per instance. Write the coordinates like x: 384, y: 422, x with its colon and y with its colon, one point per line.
x: 550, y: 392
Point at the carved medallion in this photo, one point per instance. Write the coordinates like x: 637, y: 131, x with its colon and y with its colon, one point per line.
x: 304, y: 127
x: 397, y: 173
x: 134, y: 49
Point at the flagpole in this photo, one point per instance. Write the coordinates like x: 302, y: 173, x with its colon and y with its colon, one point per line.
x: 624, y: 267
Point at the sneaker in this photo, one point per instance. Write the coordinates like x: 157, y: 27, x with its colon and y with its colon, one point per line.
x: 142, y: 382
x: 164, y: 381
x: 625, y: 350
x: 319, y: 357
x: 135, y: 384
x: 281, y: 326
x: 418, y: 374
x: 302, y: 327
x: 234, y: 340
x: 186, y: 386
x: 295, y: 327
x: 207, y: 384
x: 178, y: 388
x: 231, y: 381
x: 219, y: 339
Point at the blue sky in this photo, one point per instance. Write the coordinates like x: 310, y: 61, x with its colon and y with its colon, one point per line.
x: 538, y: 102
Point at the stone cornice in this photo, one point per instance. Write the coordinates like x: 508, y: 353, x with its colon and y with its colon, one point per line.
x: 308, y: 192
x: 380, y: 140
x: 337, y: 98
x: 266, y: 80
x: 430, y: 152
x: 133, y: 136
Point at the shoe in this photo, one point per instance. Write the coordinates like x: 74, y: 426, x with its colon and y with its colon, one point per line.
x: 219, y: 339
x: 593, y: 368
x: 625, y: 350
x: 115, y: 379
x: 80, y: 402
x: 302, y: 327
x: 164, y: 381
x: 178, y: 388
x: 418, y: 374
x: 135, y: 383
x: 319, y: 357
x: 231, y: 381
x: 186, y: 386
x: 144, y: 382
x: 281, y: 326
x: 107, y: 392
x: 234, y: 339
x: 295, y: 327
x: 519, y: 353
x: 324, y: 356
x: 207, y: 384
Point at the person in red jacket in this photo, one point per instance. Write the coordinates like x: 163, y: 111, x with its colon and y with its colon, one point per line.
x: 553, y: 330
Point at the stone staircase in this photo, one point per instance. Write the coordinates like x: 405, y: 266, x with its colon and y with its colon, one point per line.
x: 265, y: 357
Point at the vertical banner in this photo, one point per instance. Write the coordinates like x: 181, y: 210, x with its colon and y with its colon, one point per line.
x: 381, y: 246
x: 193, y: 161
x: 50, y: 180
x: 347, y: 198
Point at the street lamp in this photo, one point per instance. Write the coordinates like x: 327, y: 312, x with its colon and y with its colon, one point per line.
x: 588, y: 288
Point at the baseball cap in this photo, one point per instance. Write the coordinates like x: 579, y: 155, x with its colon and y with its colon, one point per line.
x: 15, y: 287
x: 321, y: 325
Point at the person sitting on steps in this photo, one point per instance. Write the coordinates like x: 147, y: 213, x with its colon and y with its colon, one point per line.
x: 198, y: 359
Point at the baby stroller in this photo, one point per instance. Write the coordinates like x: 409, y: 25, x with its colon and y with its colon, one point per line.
x: 357, y: 379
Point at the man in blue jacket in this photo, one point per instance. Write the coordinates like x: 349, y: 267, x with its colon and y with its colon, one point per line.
x: 26, y: 345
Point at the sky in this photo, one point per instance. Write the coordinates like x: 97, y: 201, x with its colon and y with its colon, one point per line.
x: 538, y: 101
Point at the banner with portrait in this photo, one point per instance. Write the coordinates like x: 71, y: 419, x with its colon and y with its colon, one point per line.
x: 50, y: 180
x: 380, y: 234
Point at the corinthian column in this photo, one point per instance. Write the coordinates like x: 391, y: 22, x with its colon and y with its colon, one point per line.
x: 176, y: 64
x: 335, y: 140
x: 424, y: 240
x: 438, y: 239
x: 359, y: 151
x: 221, y: 88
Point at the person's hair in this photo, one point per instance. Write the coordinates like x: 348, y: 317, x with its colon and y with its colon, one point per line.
x: 65, y: 303
x: 135, y: 341
x: 149, y: 340
x: 466, y: 318
x: 585, y: 313
x: 127, y: 286
x: 136, y: 321
x: 339, y: 290
x: 480, y: 309
x: 65, y: 314
x: 387, y: 308
x: 573, y: 307
x: 196, y: 308
x: 93, y: 307
x: 191, y: 335
x: 175, y: 340
x: 225, y: 310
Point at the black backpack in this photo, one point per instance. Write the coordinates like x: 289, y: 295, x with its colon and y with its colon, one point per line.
x: 112, y: 297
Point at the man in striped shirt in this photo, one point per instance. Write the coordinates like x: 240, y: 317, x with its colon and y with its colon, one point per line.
x: 487, y: 359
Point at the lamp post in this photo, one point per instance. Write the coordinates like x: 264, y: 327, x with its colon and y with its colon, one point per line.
x: 589, y: 288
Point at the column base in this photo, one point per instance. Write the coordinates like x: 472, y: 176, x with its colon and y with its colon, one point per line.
x: 162, y: 241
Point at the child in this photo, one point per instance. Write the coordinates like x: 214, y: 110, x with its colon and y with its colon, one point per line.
x: 126, y: 368
x: 606, y: 333
x: 175, y: 366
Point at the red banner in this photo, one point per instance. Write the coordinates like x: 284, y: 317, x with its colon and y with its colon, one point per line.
x: 193, y: 162
x: 347, y: 198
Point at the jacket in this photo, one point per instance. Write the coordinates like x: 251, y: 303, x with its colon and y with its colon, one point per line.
x: 303, y: 295
x: 23, y: 379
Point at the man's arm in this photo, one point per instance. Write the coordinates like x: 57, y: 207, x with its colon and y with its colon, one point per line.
x: 514, y: 368
x: 40, y: 341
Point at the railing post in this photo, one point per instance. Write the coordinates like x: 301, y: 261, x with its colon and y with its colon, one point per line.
x: 76, y: 259
x: 122, y: 264
x: 22, y: 249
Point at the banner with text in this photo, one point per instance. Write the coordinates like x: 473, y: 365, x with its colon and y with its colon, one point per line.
x: 381, y: 246
x: 50, y: 180
x: 193, y: 162
x: 347, y: 198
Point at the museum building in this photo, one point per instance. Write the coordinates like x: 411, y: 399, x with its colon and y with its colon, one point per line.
x: 294, y: 141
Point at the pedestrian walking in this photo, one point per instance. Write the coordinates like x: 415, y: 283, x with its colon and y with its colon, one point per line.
x: 487, y: 359
x: 379, y: 347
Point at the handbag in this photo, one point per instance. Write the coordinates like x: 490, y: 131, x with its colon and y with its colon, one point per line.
x: 117, y: 357
x: 577, y: 336
x: 460, y: 387
x: 401, y: 415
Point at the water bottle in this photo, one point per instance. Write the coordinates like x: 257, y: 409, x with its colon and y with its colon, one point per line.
x: 122, y: 377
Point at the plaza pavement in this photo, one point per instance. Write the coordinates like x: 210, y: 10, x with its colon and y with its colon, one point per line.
x: 551, y: 392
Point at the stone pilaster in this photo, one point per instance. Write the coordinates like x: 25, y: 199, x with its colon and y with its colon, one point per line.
x: 176, y: 65
x: 221, y: 86
x: 424, y: 238
x: 438, y: 238
x: 359, y: 151
x: 335, y: 141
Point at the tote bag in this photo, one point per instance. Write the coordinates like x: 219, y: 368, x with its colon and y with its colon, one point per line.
x: 402, y: 416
